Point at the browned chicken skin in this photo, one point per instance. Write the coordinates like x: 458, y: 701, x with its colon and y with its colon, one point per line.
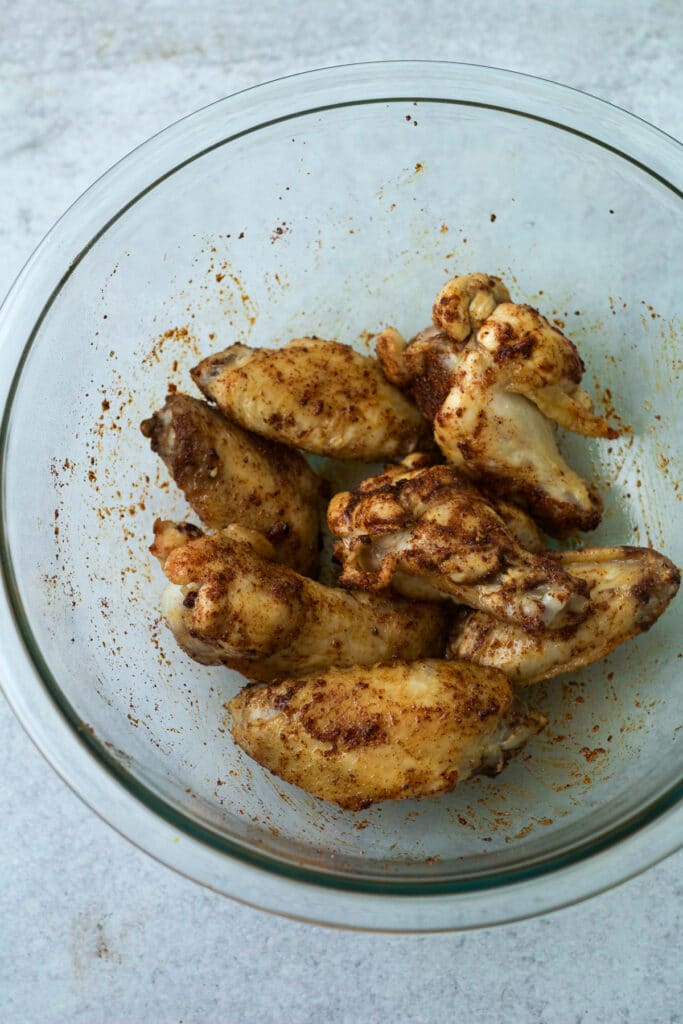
x: 493, y: 395
x: 317, y: 395
x: 228, y: 604
x: 429, y: 533
x: 383, y: 732
x: 629, y: 590
x: 231, y: 476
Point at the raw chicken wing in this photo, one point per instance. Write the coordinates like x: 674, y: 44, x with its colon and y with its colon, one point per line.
x: 317, y: 395
x: 430, y: 534
x: 231, y: 476
x: 386, y: 732
x: 629, y: 590
x: 493, y: 399
x: 228, y: 604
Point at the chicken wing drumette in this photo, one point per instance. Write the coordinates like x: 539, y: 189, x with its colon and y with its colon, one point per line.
x: 629, y: 590
x: 229, y: 475
x: 228, y: 604
x: 317, y: 395
x: 385, y: 732
x: 429, y: 533
x: 495, y: 397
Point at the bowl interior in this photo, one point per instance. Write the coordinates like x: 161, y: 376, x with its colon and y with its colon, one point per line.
x: 338, y: 222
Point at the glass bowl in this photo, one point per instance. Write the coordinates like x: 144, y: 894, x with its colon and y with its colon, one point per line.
x: 333, y: 203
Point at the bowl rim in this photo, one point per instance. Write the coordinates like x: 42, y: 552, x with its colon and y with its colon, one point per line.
x: 70, y: 745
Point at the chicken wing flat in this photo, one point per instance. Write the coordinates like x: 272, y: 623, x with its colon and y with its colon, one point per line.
x: 495, y: 398
x: 629, y: 590
x: 228, y: 604
x: 429, y: 533
x: 231, y: 476
x: 385, y: 732
x: 317, y: 395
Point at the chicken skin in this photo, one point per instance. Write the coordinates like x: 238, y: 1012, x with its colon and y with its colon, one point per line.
x: 231, y: 476
x: 520, y: 524
x: 425, y: 366
x: 317, y: 395
x: 495, y: 397
x: 429, y: 534
x: 227, y: 603
x: 383, y: 732
x: 629, y: 590
x: 465, y: 302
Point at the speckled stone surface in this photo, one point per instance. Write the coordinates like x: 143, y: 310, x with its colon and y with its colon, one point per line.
x: 91, y: 929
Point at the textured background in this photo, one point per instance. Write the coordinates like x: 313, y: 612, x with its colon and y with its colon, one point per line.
x: 91, y: 929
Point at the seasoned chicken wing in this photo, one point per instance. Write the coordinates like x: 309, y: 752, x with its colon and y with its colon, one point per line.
x: 429, y: 533
x: 317, y: 395
x: 493, y: 399
x: 231, y: 476
x: 629, y: 590
x: 228, y: 604
x: 386, y: 732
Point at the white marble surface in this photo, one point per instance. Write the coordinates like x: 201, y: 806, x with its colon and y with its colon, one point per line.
x: 90, y: 928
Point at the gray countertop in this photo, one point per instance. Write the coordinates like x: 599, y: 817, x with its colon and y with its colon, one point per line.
x: 92, y: 929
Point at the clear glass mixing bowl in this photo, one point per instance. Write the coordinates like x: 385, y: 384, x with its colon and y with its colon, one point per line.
x: 334, y: 203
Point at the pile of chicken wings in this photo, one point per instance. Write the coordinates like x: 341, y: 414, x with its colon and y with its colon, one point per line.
x: 404, y: 679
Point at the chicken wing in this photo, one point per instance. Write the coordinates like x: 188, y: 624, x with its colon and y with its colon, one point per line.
x: 493, y: 399
x: 430, y: 534
x: 629, y: 590
x: 317, y: 395
x: 386, y: 732
x: 231, y: 476
x: 228, y: 604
